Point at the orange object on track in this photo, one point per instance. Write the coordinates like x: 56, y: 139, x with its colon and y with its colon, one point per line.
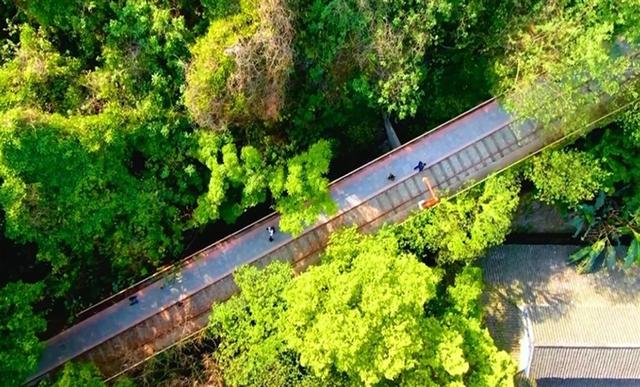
x: 433, y: 200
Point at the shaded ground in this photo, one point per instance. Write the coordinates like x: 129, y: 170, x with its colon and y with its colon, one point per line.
x: 534, y: 217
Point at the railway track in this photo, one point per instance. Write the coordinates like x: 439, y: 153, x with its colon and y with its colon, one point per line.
x: 174, y: 304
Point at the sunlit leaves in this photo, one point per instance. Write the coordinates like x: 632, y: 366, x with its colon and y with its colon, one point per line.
x: 360, y: 313
x: 461, y: 229
x: 589, y: 258
x: 252, y: 351
x: 300, y: 188
x: 305, y: 192
x: 568, y: 59
x: 566, y: 176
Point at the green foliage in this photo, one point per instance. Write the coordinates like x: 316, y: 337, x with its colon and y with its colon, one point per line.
x: 38, y: 76
x: 244, y: 174
x: 461, y: 229
x: 19, y: 328
x: 305, y: 192
x: 240, y: 67
x: 370, y: 314
x: 466, y: 291
x: 616, y: 149
x: 566, y: 176
x: 251, y: 350
x: 614, y: 219
x: 81, y: 20
x: 84, y: 375
x: 587, y: 257
x: 360, y: 312
x: 70, y: 186
x: 300, y: 190
x: 604, y: 224
x: 571, y: 45
x: 217, y: 9
x: 79, y: 374
x: 144, y: 52
x: 371, y: 52
x: 207, y: 95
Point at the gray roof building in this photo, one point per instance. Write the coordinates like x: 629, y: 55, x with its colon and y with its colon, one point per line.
x: 566, y: 329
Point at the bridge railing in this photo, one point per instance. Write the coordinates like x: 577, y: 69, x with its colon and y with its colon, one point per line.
x: 168, y: 269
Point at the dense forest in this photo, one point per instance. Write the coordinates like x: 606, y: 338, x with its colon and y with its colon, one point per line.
x: 134, y: 132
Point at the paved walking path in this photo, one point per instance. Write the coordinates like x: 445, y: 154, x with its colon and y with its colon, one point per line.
x: 220, y: 259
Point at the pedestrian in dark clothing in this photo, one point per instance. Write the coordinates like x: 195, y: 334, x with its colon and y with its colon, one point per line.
x: 391, y: 177
x: 420, y: 166
x: 271, y: 230
x: 133, y: 300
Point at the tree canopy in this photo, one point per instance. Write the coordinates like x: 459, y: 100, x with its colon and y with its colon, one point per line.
x: 568, y: 177
x: 131, y: 131
x: 19, y: 327
x: 462, y: 228
x: 572, y: 56
x: 370, y: 314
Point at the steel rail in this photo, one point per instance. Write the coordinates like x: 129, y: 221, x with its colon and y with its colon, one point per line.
x: 124, y: 293
x: 393, y: 208
x: 316, y: 226
x: 132, y: 289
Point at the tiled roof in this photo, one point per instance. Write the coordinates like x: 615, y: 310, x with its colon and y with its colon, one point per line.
x: 580, y: 327
x: 585, y: 326
x: 584, y: 341
x: 585, y: 363
x: 587, y: 383
x: 539, y: 274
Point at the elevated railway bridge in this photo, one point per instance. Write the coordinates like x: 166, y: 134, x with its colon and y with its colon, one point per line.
x: 174, y: 304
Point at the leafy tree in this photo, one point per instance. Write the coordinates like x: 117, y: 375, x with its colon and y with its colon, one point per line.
x: 81, y: 21
x: 251, y: 349
x: 305, y: 192
x: 240, y: 67
x: 74, y: 187
x: 300, y: 188
x: 374, y: 314
x: 370, y: 48
x: 566, y: 176
x: 465, y: 353
x: 613, y: 219
x: 84, y: 374
x: 582, y: 50
x: 462, y: 228
x: 360, y: 312
x: 604, y: 225
x: 144, y: 52
x: 79, y: 374
x: 19, y: 326
x: 38, y: 76
x: 369, y: 314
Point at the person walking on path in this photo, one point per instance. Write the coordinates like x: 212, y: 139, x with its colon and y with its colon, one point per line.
x: 271, y: 230
x: 420, y: 166
x: 391, y: 177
